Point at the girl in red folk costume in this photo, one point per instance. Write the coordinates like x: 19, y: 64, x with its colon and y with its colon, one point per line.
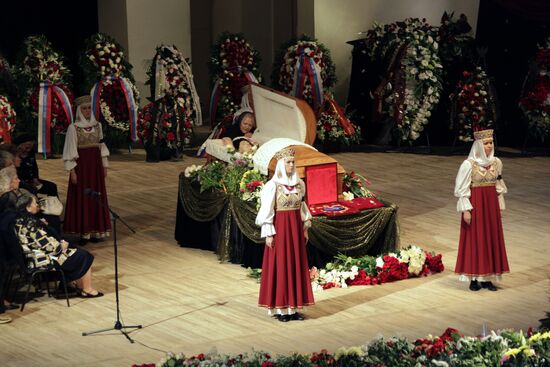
x: 85, y: 156
x: 285, y: 218
x: 479, y: 188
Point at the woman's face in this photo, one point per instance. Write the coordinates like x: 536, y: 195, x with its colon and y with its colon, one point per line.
x: 86, y: 110
x: 247, y: 124
x: 17, y: 160
x: 488, y: 146
x: 24, y: 148
x: 33, y: 207
x: 14, y: 184
x: 289, y: 166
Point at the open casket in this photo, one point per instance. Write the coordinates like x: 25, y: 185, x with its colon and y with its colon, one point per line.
x: 281, y: 121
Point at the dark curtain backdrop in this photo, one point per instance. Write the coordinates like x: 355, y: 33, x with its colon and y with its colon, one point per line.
x: 511, y: 30
x: 66, y: 24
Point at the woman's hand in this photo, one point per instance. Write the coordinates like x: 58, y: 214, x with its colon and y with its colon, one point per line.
x: 248, y: 135
x: 72, y: 176
x: 467, y: 216
x: 306, y: 235
x: 104, y: 171
x: 269, y: 241
x: 64, y: 245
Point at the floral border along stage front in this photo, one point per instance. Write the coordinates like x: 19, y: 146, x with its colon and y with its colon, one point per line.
x: 506, y: 348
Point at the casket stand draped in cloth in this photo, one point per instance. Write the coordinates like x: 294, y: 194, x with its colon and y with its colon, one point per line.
x: 225, y: 224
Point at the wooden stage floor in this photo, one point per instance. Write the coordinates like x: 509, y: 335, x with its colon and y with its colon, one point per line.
x: 188, y: 302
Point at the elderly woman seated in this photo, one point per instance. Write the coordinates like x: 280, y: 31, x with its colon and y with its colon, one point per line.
x: 239, y: 135
x: 43, y: 246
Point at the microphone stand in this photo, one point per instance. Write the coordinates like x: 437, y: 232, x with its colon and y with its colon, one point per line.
x: 118, y: 324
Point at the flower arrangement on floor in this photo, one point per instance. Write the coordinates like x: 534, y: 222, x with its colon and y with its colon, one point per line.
x: 507, y: 348
x: 7, y: 120
x: 346, y: 271
x: 473, y: 106
x: 168, y: 120
x: 412, y: 92
x: 114, y: 95
x: 303, y: 68
x: 44, y: 81
x: 234, y: 63
x: 535, y: 101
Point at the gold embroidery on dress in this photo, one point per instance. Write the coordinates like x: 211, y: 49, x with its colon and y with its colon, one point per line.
x: 87, y: 139
x: 288, y: 201
x: 483, y: 177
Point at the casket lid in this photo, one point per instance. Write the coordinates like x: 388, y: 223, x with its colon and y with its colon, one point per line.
x: 279, y: 115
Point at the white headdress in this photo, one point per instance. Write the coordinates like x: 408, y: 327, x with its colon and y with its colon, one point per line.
x: 280, y: 176
x: 477, y: 153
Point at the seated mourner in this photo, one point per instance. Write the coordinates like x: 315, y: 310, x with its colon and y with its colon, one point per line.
x: 43, y: 247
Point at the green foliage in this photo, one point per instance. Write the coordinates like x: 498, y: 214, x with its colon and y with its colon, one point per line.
x: 367, y: 263
x: 211, y: 176
x: 395, y: 352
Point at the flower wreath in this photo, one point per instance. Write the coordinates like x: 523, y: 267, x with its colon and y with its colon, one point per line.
x: 413, y: 48
x: 473, y: 107
x: 171, y: 82
x: 233, y: 65
x: 108, y: 75
x: 159, y: 122
x: 7, y: 120
x: 45, y: 80
x: 535, y: 102
x: 304, y: 69
x: 7, y: 81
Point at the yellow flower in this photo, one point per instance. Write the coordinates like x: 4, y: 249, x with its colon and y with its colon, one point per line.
x: 536, y: 337
x: 513, y: 352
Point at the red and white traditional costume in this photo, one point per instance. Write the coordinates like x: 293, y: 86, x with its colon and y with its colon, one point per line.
x: 86, y: 212
x: 479, y: 188
x: 285, y: 285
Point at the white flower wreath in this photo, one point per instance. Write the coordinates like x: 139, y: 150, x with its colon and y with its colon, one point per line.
x: 422, y: 68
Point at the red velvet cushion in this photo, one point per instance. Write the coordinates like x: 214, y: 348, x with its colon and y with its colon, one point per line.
x: 321, y: 184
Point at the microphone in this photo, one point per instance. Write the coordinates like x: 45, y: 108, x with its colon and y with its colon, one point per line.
x: 91, y: 192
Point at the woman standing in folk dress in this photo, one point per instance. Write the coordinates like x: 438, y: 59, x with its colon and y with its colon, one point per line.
x: 479, y: 188
x: 285, y: 218
x: 85, y: 156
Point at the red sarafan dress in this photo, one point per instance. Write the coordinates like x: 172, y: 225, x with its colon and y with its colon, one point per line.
x: 285, y: 284
x: 481, y: 251
x: 86, y: 212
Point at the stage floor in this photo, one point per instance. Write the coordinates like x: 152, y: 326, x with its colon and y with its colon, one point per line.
x: 188, y: 302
